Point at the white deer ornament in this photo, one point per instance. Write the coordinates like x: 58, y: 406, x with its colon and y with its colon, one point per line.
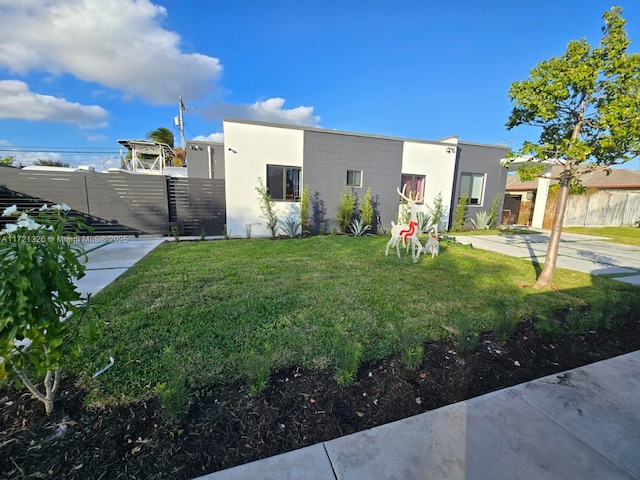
x: 408, y: 233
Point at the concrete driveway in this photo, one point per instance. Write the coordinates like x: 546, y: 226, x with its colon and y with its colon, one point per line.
x: 582, y: 253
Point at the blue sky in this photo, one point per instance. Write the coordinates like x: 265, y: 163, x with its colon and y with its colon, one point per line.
x: 77, y: 75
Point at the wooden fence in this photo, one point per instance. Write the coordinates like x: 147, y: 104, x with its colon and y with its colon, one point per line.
x: 599, y: 209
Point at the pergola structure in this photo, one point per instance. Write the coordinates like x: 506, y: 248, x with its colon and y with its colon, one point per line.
x: 146, y: 156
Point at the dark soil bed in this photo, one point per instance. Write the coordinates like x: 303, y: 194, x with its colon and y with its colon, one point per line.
x: 226, y: 427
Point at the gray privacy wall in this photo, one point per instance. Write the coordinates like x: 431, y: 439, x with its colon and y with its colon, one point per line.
x: 328, y: 156
x: 479, y: 158
x: 121, y: 203
x: 205, y: 159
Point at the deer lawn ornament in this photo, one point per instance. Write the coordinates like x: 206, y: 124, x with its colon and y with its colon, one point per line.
x: 407, y: 233
x: 433, y: 243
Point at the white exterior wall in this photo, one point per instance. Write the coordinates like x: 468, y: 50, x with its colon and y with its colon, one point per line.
x: 437, y: 165
x: 256, y: 147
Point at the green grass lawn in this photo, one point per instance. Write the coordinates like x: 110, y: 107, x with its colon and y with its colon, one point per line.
x: 624, y: 235
x: 212, y: 310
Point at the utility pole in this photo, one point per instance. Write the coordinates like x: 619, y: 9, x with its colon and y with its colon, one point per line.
x: 181, y: 120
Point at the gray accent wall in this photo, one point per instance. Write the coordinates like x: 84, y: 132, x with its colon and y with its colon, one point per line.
x: 205, y: 159
x: 328, y: 156
x: 476, y: 158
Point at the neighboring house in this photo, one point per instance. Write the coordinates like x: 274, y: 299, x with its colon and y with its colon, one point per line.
x: 525, y: 203
x: 288, y: 158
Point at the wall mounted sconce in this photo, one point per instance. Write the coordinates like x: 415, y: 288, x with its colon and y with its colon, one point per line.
x: 232, y: 150
x: 451, y: 149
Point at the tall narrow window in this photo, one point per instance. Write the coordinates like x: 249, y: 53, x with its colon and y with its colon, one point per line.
x: 354, y: 178
x: 413, y: 186
x: 283, y: 182
x: 472, y: 186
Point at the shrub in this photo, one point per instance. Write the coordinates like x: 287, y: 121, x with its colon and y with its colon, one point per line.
x: 172, y: 394
x: 494, y: 213
x: 347, y: 360
x: 40, y: 259
x: 437, y: 211
x: 304, y: 209
x: 424, y: 222
x: 267, y: 207
x: 367, y: 208
x: 482, y: 221
x: 460, y: 215
x: 291, y: 227
x: 258, y: 366
x: 346, y: 208
x: 358, y: 228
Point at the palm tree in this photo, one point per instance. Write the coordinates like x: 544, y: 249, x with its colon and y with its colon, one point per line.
x: 164, y: 135
x: 161, y: 135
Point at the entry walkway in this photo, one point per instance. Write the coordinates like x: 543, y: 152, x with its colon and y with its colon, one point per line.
x: 107, y: 260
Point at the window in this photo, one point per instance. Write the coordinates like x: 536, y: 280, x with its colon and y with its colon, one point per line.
x: 283, y: 183
x: 472, y: 186
x: 413, y: 187
x: 354, y: 178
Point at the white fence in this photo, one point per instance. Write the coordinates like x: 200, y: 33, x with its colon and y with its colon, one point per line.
x: 603, y: 209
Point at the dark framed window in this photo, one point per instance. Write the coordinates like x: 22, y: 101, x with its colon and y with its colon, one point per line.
x: 283, y: 182
x: 472, y: 187
x: 354, y: 178
x: 413, y: 186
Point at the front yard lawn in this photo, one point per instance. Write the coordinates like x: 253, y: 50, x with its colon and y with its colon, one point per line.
x: 232, y: 351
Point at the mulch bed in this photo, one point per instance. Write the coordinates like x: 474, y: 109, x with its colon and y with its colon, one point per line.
x: 227, y: 427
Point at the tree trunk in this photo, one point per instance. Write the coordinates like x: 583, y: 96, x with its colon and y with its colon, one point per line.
x: 546, y: 275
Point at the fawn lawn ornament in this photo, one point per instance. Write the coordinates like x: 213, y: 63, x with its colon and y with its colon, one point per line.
x: 407, y: 233
x: 432, y: 245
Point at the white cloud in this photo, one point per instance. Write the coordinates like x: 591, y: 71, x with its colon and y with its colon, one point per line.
x: 17, y: 101
x: 270, y: 110
x: 217, y: 137
x: 96, y: 138
x: 117, y: 43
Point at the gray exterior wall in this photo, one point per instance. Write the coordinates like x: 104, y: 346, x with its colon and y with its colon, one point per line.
x: 328, y: 156
x: 205, y: 159
x: 475, y: 158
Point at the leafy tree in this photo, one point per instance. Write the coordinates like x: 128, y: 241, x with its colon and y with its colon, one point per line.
x: 7, y: 160
x: 161, y: 135
x: 51, y: 163
x: 586, y: 102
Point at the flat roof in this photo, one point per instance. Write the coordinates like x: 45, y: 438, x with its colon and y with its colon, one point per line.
x: 445, y: 141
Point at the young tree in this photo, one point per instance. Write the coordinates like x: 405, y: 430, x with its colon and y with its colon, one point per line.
x: 267, y: 207
x: 586, y: 102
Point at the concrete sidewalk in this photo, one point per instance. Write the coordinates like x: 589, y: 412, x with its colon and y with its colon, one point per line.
x: 582, y: 253
x: 584, y: 423
x: 108, y: 260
